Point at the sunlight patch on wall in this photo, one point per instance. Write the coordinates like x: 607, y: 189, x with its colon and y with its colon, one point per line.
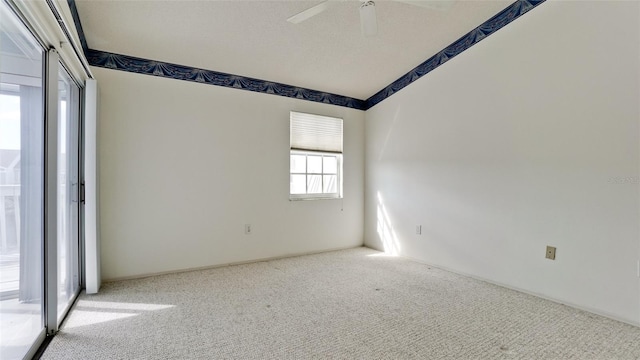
x: 385, y: 230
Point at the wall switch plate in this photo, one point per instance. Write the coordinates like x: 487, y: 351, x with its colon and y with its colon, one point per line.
x: 418, y: 229
x: 551, y: 253
x: 247, y: 229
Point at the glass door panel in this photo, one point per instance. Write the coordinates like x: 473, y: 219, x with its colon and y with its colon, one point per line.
x: 68, y: 196
x: 21, y: 188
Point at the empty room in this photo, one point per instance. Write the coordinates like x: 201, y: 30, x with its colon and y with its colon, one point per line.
x: 257, y: 179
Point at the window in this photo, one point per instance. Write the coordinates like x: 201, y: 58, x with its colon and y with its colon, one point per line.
x: 315, y: 170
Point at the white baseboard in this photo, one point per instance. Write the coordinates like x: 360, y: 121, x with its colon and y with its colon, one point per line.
x: 542, y: 296
x: 146, y: 275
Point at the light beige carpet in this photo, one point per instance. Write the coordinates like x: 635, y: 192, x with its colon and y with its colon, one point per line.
x: 347, y: 304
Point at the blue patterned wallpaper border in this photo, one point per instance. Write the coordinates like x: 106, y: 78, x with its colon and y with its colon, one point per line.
x: 474, y: 36
x: 179, y: 72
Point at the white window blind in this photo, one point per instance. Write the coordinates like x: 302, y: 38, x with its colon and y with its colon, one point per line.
x: 315, y: 133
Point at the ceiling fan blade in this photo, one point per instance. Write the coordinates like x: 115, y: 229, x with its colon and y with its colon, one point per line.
x: 442, y: 5
x: 309, y: 13
x: 368, y: 20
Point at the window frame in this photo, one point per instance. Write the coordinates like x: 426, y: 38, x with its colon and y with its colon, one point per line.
x: 323, y: 195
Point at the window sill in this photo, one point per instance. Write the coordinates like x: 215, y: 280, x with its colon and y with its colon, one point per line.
x: 314, y: 198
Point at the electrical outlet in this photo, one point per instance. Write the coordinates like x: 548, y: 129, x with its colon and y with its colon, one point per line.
x: 418, y: 229
x: 247, y: 229
x: 551, y: 253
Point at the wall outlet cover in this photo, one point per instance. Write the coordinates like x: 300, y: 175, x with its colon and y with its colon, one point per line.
x: 551, y: 253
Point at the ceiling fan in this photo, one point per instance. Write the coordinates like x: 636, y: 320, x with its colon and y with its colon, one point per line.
x: 368, y: 20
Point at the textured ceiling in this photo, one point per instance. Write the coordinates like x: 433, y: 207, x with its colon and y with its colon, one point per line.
x: 253, y: 38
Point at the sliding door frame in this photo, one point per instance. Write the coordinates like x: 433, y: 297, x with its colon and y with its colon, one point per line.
x: 79, y: 150
x: 53, y: 319
x: 51, y: 192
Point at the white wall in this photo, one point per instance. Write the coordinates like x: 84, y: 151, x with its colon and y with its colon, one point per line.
x: 183, y: 166
x: 530, y: 138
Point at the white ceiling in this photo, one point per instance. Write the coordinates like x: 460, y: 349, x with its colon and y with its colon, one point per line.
x: 253, y: 38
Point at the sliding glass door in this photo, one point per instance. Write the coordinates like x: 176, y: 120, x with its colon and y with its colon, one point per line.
x: 21, y: 188
x: 39, y: 189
